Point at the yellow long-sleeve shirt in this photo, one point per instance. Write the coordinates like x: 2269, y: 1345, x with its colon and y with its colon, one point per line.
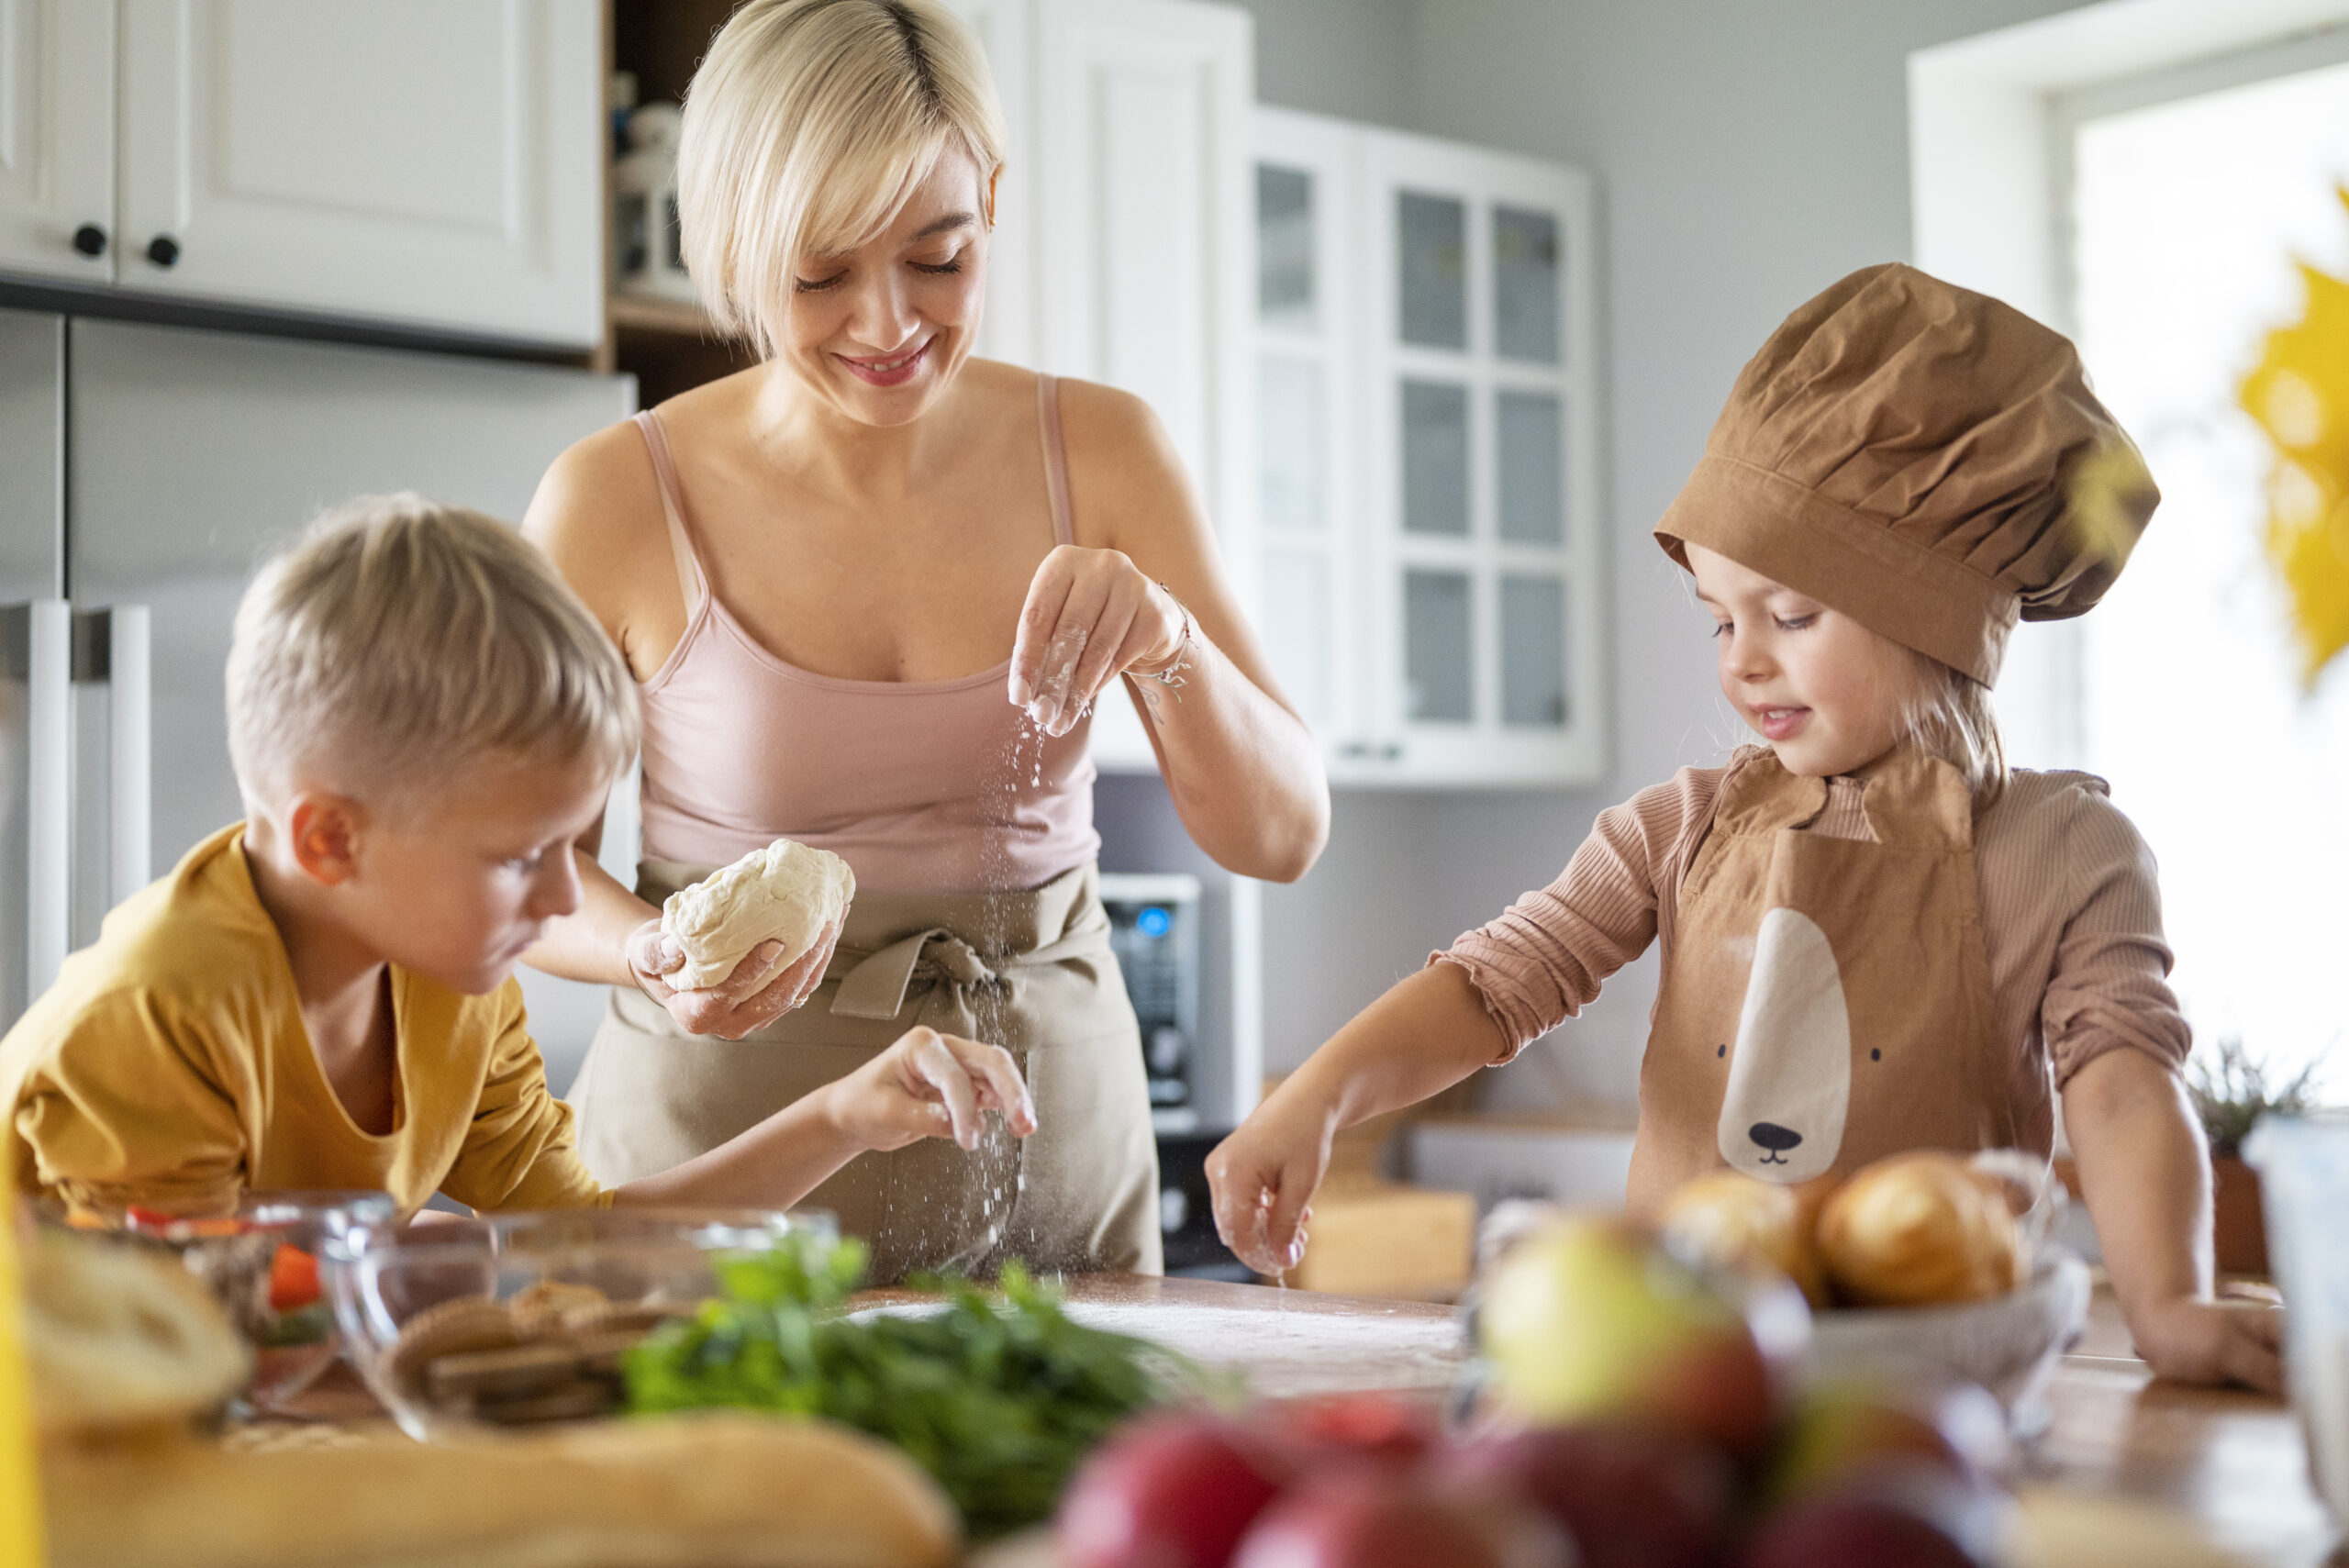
x: 169, y: 1067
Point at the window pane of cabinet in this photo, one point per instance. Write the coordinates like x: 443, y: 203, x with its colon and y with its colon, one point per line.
x: 1432, y: 237
x: 1289, y: 456
x: 1533, y: 652
x: 1296, y: 628
x: 1437, y: 673
x: 1435, y: 458
x: 1285, y: 292
x: 1532, y: 503
x: 1525, y: 286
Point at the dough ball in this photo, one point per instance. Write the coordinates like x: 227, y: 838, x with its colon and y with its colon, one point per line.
x: 786, y: 893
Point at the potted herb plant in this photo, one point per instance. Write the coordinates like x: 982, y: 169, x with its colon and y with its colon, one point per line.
x: 2230, y: 1093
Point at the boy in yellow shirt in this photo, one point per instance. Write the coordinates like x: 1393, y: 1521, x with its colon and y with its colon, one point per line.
x: 424, y: 721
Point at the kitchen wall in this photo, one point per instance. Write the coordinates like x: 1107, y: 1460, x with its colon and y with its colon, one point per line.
x: 1747, y: 155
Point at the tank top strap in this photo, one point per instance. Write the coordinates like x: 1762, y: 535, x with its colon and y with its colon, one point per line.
x: 690, y: 577
x: 1048, y: 414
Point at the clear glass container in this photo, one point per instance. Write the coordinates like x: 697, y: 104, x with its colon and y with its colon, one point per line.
x: 524, y: 1318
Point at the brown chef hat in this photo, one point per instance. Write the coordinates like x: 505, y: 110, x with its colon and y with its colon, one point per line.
x: 1923, y: 459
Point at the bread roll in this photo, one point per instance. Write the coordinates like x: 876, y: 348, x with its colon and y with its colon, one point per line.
x: 1732, y: 1220
x: 1920, y: 1229
x: 786, y: 893
x: 120, y: 1336
x: 718, y: 1491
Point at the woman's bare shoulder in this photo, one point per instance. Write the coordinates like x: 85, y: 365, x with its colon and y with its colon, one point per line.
x: 1123, y: 469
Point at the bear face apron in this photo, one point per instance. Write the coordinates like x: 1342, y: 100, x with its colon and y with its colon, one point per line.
x: 1827, y: 1000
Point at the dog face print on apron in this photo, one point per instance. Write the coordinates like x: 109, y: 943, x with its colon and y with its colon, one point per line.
x: 1827, y: 1000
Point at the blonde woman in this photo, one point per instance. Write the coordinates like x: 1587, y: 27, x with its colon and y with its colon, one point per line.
x: 870, y: 590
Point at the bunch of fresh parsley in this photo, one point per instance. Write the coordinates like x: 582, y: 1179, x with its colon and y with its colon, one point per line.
x: 999, y: 1396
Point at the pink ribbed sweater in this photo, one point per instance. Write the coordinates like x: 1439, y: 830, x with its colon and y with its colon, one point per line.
x: 2071, y: 917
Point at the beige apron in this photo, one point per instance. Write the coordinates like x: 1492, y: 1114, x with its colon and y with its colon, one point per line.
x: 1827, y: 1000
x: 1029, y: 970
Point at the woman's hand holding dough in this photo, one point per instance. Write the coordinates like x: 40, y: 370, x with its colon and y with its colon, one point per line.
x: 759, y: 991
x: 927, y: 1085
x: 1090, y: 617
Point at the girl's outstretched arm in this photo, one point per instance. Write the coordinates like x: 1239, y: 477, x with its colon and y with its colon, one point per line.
x: 1422, y: 1037
x: 2146, y: 1175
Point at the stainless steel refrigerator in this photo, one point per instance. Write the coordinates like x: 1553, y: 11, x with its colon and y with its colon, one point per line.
x: 144, y: 470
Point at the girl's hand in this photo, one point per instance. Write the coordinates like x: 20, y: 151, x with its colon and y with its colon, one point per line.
x: 928, y: 1085
x: 1090, y: 617
x: 759, y: 991
x: 1261, y: 1180
x: 2214, y: 1341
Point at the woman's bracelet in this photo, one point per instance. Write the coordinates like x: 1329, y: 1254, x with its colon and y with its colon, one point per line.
x: 1172, y: 676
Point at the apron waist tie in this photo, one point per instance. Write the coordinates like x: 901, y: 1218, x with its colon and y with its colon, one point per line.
x: 875, y: 985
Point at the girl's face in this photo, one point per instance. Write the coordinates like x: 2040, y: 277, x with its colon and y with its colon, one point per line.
x: 879, y: 332
x: 1824, y: 691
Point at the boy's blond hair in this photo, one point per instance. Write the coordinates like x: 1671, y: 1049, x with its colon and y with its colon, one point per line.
x: 398, y: 639
x: 808, y: 126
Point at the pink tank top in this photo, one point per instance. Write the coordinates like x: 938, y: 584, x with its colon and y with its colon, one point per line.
x: 922, y: 786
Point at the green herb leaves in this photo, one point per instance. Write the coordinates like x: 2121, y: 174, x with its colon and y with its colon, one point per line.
x: 997, y: 1397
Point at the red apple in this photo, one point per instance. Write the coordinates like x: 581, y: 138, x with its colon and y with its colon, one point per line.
x: 1629, y: 1496
x: 1589, y: 1320
x: 1900, y: 1514
x: 1172, y: 1492
x: 1369, y: 1426
x: 1843, y: 1429
x: 1374, y: 1516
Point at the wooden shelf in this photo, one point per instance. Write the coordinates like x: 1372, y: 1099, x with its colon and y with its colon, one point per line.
x: 641, y: 313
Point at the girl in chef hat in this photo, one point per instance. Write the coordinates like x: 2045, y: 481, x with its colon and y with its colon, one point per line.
x: 1875, y: 937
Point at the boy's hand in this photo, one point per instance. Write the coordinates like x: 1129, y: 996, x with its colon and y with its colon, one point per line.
x: 2214, y: 1341
x: 759, y: 990
x: 1262, y: 1179
x: 926, y: 1085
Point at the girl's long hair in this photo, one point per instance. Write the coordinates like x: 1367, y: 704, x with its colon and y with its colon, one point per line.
x: 1948, y: 715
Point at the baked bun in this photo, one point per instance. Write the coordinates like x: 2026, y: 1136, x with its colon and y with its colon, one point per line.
x: 1731, y: 1220
x: 1920, y: 1229
x: 119, y: 1336
x: 786, y: 893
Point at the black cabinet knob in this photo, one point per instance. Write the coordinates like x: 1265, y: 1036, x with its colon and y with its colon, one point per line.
x: 90, y: 239
x: 163, y: 249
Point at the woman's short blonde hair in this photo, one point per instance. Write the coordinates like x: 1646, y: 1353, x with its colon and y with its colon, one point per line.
x: 397, y: 640
x: 805, y: 129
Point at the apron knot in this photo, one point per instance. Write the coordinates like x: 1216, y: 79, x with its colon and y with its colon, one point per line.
x: 876, y: 986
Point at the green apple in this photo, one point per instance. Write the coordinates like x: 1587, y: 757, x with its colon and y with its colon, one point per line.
x: 1589, y: 1320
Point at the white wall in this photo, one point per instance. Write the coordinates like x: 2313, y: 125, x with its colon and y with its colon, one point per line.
x: 1748, y: 155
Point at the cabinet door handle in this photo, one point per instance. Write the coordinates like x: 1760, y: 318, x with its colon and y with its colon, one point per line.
x: 163, y: 249
x: 90, y: 239
x: 1391, y: 752
x: 1354, y: 748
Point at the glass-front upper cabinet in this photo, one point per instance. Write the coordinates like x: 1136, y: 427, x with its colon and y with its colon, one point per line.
x: 1307, y: 492
x: 1425, y: 426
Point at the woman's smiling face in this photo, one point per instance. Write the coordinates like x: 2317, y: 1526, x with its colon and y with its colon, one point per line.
x: 1821, y: 688
x: 877, y: 332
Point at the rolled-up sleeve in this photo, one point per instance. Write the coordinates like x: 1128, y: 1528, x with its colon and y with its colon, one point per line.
x: 1544, y: 958
x: 2109, y: 988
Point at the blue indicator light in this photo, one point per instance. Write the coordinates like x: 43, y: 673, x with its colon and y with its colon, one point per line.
x: 1154, y: 922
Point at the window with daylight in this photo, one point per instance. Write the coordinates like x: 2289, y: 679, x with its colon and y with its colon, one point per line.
x: 2189, y: 199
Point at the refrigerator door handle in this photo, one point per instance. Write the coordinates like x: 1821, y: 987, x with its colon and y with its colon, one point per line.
x: 39, y: 651
x: 131, y: 808
x: 112, y: 648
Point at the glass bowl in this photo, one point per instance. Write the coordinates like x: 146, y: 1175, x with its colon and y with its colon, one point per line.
x: 262, y: 1263
x: 520, y: 1319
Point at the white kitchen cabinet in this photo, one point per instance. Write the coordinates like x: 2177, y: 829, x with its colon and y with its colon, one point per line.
x: 1124, y: 249
x: 1427, y: 434
x: 57, y: 139
x: 435, y: 163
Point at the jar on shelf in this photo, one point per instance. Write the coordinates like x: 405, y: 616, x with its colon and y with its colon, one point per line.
x: 647, y: 245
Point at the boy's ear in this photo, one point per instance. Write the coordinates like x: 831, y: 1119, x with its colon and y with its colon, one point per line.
x: 324, y: 830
